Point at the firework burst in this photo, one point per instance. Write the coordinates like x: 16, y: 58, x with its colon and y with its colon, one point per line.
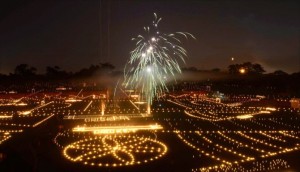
x: 154, y: 60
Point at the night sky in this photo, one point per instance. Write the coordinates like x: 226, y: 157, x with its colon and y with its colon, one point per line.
x: 74, y: 34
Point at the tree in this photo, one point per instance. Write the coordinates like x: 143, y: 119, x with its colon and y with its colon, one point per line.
x: 234, y: 68
x: 248, y: 67
x: 216, y: 70
x: 25, y: 70
x: 107, y: 66
x: 55, y: 72
x: 257, y: 69
x: 190, y: 69
x: 280, y: 72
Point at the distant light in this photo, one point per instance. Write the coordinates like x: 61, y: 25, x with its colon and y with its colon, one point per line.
x: 149, y: 69
x: 232, y: 58
x: 143, y: 55
x: 242, y: 71
x: 153, y: 39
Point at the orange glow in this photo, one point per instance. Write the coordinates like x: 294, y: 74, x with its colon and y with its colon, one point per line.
x: 242, y: 71
x: 117, y: 129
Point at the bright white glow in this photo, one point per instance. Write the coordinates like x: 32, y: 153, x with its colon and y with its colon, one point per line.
x: 242, y: 71
x: 149, y: 69
x: 162, y: 57
x: 143, y: 55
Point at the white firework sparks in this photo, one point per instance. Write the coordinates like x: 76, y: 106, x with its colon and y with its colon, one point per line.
x: 155, y: 58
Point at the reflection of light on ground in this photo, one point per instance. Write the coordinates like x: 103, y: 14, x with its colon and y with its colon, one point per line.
x: 244, y: 116
x: 25, y: 112
x: 232, y: 138
x: 140, y: 103
x: 3, y: 137
x: 6, y: 134
x: 99, y: 118
x: 265, y: 165
x: 45, y: 119
x: 30, y: 111
x: 106, y: 118
x: 117, y: 129
x: 5, y: 116
x: 271, y: 109
x: 251, y: 140
x: 13, y: 104
x: 72, y: 100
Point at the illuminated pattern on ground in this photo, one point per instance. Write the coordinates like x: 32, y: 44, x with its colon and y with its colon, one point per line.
x: 25, y: 112
x: 4, y: 136
x: 197, y: 134
x: 117, y: 129
x: 238, y: 138
x: 265, y: 165
x: 112, y: 150
x: 235, y: 147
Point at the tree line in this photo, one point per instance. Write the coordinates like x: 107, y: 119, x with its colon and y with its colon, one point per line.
x: 55, y: 72
x: 254, y: 78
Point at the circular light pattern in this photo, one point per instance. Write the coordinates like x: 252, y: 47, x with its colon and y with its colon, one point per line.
x: 115, y: 150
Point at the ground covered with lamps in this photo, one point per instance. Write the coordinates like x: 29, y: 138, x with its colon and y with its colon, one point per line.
x: 183, y: 133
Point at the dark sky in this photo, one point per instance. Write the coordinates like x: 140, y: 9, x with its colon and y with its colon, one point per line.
x: 70, y: 34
